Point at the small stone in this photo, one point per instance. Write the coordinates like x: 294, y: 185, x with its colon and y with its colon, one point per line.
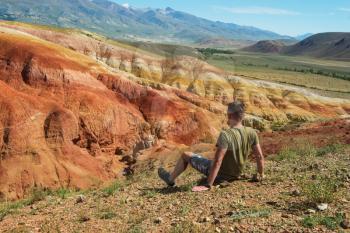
x: 206, y: 219
x: 217, y: 229
x: 345, y: 224
x: 322, y: 206
x: 128, y: 200
x: 310, y: 211
x: 273, y: 203
x: 285, y: 216
x: 158, y: 220
x: 296, y: 193
x: 80, y: 199
x: 224, y: 184
x: 230, y: 213
x: 314, y: 177
x: 216, y: 221
x: 84, y: 218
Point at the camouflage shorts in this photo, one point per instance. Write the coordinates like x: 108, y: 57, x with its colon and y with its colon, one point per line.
x: 201, y: 164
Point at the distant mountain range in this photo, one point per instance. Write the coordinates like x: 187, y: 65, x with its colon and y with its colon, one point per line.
x: 117, y: 21
x: 330, y: 45
x: 303, y: 36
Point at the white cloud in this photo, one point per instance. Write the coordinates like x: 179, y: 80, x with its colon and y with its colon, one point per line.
x: 344, y: 9
x: 126, y: 5
x: 260, y: 11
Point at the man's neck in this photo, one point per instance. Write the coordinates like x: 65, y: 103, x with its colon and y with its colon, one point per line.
x: 237, y: 125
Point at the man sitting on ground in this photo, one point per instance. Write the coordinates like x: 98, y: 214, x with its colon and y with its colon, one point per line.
x: 234, y: 145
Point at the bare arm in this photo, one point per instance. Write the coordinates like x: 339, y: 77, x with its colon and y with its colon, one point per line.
x: 259, y: 159
x: 219, y: 156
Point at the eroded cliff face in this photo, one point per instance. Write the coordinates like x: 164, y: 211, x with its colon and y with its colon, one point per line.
x: 73, y: 103
x: 269, y: 101
x: 64, y: 117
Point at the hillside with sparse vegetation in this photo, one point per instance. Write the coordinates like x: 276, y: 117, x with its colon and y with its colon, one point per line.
x: 299, y: 178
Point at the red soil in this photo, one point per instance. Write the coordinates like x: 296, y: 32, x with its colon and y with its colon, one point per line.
x: 318, y: 134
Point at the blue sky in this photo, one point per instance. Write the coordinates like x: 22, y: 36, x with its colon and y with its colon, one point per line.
x: 288, y: 17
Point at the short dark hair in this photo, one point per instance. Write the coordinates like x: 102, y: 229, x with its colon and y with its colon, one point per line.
x: 236, y: 109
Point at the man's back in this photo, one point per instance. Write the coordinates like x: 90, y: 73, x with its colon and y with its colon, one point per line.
x: 238, y: 142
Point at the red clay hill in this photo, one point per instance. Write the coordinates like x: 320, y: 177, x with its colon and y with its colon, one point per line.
x: 64, y: 117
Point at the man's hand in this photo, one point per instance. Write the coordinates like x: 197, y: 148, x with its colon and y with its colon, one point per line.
x: 200, y: 188
x: 219, y: 156
x: 258, y: 177
x: 260, y: 161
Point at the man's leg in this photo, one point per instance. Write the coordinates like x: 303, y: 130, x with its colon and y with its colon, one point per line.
x: 180, y: 167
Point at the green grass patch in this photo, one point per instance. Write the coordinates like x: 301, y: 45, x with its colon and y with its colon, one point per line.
x: 189, y: 227
x: 136, y: 229
x: 331, y: 222
x: 286, y: 154
x: 149, y: 193
x: 250, y: 213
x: 7, y: 208
x: 38, y: 194
x: 320, y: 190
x: 331, y: 149
x: 185, y: 209
x: 188, y: 186
x: 35, y: 195
x: 107, y: 214
x: 297, y: 151
x: 113, y: 188
x: 63, y: 193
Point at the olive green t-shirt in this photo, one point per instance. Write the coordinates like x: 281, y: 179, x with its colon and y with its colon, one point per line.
x: 238, y: 142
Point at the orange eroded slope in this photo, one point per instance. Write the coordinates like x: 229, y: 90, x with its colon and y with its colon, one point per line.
x: 63, y: 117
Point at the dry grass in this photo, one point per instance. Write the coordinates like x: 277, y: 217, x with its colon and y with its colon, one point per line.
x: 135, y: 204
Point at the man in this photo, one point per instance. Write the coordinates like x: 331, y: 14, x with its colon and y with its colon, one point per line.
x: 233, y: 148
